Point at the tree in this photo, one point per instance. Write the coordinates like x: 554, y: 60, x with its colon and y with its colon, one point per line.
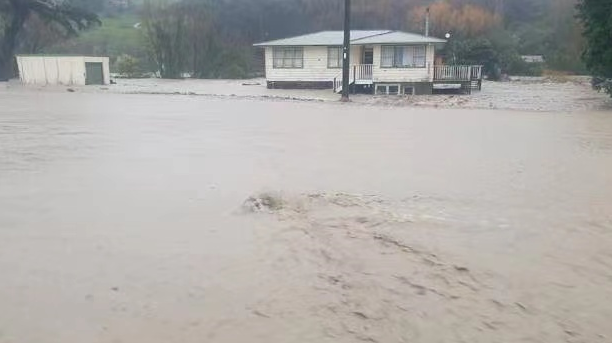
x: 596, y: 16
x: 466, y: 20
x: 128, y: 66
x: 477, y: 34
x: 216, y: 36
x: 15, y: 13
x: 38, y: 34
x: 203, y: 46
x: 165, y: 30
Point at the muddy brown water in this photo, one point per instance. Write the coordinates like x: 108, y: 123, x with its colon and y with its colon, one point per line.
x: 121, y: 220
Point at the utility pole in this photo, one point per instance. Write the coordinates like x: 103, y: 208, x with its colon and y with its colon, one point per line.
x: 499, y: 8
x: 427, y: 23
x: 346, y: 51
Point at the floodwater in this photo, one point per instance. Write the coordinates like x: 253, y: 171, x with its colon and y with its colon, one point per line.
x: 122, y: 220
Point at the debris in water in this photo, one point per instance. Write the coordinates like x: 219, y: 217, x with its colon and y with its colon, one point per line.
x: 263, y: 202
x: 521, y: 306
x: 260, y: 314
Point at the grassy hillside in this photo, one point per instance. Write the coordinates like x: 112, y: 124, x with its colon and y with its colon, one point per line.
x: 117, y: 36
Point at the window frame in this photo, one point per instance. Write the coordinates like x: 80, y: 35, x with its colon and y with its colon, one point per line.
x: 340, y: 57
x: 279, y: 53
x: 399, y: 50
x: 411, y: 88
x: 386, y: 87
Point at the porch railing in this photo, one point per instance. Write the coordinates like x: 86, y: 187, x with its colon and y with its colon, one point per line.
x: 338, y: 83
x: 457, y: 73
x: 358, y: 74
x: 362, y: 72
x: 476, y: 72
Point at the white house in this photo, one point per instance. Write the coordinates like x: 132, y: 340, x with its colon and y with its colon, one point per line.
x: 63, y: 70
x: 533, y: 58
x: 382, y: 62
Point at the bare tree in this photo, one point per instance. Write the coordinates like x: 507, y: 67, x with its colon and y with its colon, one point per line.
x: 165, y: 26
x: 15, y: 13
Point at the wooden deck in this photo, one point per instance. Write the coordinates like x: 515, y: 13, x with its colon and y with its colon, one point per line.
x: 466, y: 77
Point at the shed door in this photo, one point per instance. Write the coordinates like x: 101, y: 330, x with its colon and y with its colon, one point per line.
x: 93, y: 73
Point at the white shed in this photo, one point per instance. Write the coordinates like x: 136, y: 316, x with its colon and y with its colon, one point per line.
x: 63, y: 70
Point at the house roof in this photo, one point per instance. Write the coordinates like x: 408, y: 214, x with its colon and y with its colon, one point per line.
x: 397, y: 37
x: 357, y: 37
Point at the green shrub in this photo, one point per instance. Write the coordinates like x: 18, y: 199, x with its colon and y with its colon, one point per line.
x: 521, y: 68
x: 602, y: 84
x: 128, y: 66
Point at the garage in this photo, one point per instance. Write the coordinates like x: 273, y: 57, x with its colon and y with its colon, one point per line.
x: 63, y: 70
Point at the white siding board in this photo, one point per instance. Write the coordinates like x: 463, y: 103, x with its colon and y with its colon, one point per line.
x: 58, y: 70
x: 315, y: 66
x: 73, y: 71
x: 403, y: 74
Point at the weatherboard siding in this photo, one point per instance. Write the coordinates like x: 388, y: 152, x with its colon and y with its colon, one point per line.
x: 44, y: 70
x: 315, y: 66
x: 58, y: 70
x: 403, y: 74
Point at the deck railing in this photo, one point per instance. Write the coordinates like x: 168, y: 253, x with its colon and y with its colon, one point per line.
x: 477, y: 72
x: 452, y: 73
x: 457, y: 72
x: 363, y: 74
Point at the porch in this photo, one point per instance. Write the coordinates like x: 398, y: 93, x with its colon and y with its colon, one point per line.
x: 466, y: 77
x: 463, y: 77
x: 359, y: 74
x: 457, y: 73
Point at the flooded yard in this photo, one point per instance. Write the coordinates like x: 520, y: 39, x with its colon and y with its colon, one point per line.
x: 123, y: 219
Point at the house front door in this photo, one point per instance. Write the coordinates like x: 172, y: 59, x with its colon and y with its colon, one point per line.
x: 368, y: 55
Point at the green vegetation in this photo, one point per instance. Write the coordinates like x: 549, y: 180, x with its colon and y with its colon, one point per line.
x: 596, y: 16
x: 16, y: 15
x: 128, y: 66
x: 118, y: 35
x: 213, y: 38
x: 496, y: 33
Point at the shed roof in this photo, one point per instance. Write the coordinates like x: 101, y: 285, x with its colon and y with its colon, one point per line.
x: 357, y: 37
x: 59, y: 55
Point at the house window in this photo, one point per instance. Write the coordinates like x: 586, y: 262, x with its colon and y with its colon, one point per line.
x: 288, y: 57
x: 385, y: 89
x: 403, y: 56
x: 334, y: 57
x: 408, y: 90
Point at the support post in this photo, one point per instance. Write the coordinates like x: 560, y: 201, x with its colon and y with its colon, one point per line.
x: 346, y: 51
x: 354, y: 78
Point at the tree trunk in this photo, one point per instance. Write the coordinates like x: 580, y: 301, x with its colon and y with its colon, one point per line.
x: 9, y: 42
x: 6, y: 67
x: 7, y: 47
x: 499, y: 8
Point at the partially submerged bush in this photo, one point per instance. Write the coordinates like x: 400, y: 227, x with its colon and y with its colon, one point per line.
x: 128, y: 66
x: 522, y: 68
x: 602, y: 84
x: 263, y: 202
